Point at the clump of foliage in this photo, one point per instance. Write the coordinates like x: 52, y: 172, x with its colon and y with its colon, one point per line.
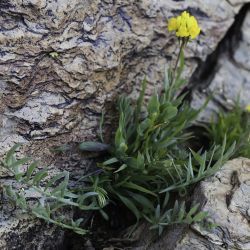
x: 50, y: 195
x: 235, y: 125
x: 149, y: 167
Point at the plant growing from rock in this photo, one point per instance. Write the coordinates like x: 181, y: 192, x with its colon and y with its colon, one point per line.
x: 235, y: 125
x: 148, y: 168
x: 49, y: 196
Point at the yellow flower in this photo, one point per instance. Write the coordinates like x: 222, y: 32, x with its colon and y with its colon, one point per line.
x: 182, y: 31
x: 185, y: 15
x: 184, y: 25
x: 248, y: 108
x: 193, y: 27
x: 172, y: 24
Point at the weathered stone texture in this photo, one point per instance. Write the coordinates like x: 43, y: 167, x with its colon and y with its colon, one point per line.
x: 226, y: 197
x: 230, y: 79
x: 62, y: 61
x: 21, y: 232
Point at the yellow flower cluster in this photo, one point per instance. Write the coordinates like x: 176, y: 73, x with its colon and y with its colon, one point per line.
x: 185, y: 25
x: 248, y: 108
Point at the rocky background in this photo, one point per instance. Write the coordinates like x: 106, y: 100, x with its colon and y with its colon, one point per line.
x: 63, y: 62
x: 226, y: 197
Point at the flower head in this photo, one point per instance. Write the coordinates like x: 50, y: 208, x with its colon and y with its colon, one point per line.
x: 185, y: 26
x: 248, y: 108
x: 172, y: 24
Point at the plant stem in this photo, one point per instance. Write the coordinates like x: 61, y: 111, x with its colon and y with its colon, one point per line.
x: 177, y: 61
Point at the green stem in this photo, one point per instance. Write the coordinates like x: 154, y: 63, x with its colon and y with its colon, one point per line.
x: 177, y: 61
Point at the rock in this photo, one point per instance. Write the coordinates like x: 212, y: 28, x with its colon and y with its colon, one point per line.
x: 226, y: 197
x: 21, y: 232
x: 62, y: 63
x: 230, y: 78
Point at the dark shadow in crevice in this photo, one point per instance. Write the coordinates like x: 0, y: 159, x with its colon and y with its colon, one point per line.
x: 206, y: 70
x: 205, y: 73
x: 102, y: 233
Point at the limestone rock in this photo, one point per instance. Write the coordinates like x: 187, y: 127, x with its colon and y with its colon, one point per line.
x: 230, y: 78
x: 226, y: 197
x: 21, y: 232
x: 62, y: 61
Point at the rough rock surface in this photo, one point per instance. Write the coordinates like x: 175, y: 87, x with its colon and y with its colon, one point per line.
x: 226, y: 197
x: 229, y: 77
x: 62, y: 61
x: 19, y: 231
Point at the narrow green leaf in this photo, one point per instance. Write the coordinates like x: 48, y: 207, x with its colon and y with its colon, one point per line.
x: 142, y: 200
x: 166, y: 200
x: 200, y: 216
x: 39, y: 176
x: 110, y: 161
x: 18, y: 163
x: 30, y: 170
x: 104, y: 214
x: 130, y: 205
x: 10, y: 153
x: 193, y: 210
x: 101, y: 127
x: 93, y: 146
x: 122, y: 167
x: 54, y: 179
x: 182, y: 212
x: 138, y: 188
x: 140, y: 101
x: 158, y: 212
x: 153, y: 106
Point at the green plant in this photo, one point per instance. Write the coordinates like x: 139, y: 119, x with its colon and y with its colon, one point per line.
x: 150, y: 158
x: 149, y: 167
x: 235, y: 125
x: 175, y: 215
x: 50, y: 194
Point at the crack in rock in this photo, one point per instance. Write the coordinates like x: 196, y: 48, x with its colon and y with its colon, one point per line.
x: 229, y: 74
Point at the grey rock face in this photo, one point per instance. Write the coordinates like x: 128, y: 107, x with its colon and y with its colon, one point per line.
x: 231, y: 76
x: 21, y: 232
x: 62, y: 61
x: 226, y: 197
